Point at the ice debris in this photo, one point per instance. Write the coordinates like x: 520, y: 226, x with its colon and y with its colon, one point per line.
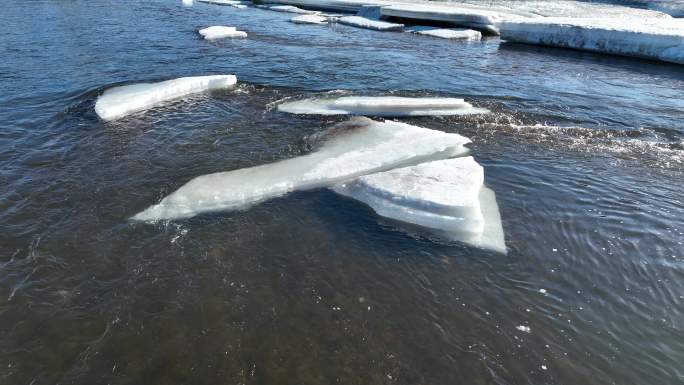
x: 449, y: 33
x: 362, y: 22
x: 387, y: 106
x: 220, y: 32
x: 309, y: 19
x: 118, y: 102
x: 444, y: 195
x: 351, y: 149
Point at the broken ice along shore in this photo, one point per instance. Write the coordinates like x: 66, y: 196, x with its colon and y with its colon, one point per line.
x: 609, y: 29
x: 401, y: 171
x: 121, y: 101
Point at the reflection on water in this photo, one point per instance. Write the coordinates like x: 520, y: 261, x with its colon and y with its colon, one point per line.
x: 583, y: 151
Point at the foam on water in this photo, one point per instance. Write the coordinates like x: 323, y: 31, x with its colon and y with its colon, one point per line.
x: 387, y: 106
x: 118, y: 102
x: 349, y: 150
x: 443, y: 195
x: 221, y: 32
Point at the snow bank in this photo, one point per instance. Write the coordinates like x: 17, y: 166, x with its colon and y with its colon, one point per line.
x: 309, y: 19
x: 444, y: 195
x: 387, y: 106
x: 658, y: 39
x: 362, y: 22
x: 454, y: 14
x: 291, y: 9
x: 219, y: 32
x: 118, y: 102
x: 348, y: 150
x: 449, y: 33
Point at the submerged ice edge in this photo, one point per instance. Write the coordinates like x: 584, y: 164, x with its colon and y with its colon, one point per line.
x: 351, y: 149
x: 383, y: 106
x: 446, y: 197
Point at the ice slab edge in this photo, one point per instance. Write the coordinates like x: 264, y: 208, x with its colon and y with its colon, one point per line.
x: 447, y: 196
x: 118, y: 102
x: 351, y: 149
x: 657, y: 40
x: 386, y: 106
x: 220, y: 32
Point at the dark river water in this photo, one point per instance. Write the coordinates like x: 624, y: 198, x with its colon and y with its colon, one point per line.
x: 585, y: 153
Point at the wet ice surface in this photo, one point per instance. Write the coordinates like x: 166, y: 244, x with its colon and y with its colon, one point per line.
x: 362, y: 22
x: 358, y: 147
x: 309, y: 19
x: 221, y: 32
x: 584, y: 152
x: 391, y: 106
x: 443, y: 195
x: 118, y: 102
x: 448, y: 33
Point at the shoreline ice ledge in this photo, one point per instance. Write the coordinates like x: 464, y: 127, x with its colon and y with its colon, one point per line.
x: 117, y: 102
x: 351, y: 149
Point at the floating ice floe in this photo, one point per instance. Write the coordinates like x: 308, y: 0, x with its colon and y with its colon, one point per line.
x: 231, y: 3
x: 658, y: 39
x: 309, y: 19
x: 449, y: 33
x: 292, y: 9
x: 444, y: 195
x: 118, y: 102
x: 358, y: 147
x: 219, y: 32
x: 187, y: 3
x: 386, y: 106
x: 329, y: 5
x: 362, y: 22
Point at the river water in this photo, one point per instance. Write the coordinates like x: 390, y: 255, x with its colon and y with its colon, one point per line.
x: 585, y: 153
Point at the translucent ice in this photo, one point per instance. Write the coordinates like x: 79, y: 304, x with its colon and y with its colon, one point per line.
x: 449, y: 33
x: 232, y: 3
x: 220, y: 32
x: 362, y: 22
x: 348, y: 150
x: 388, y: 106
x: 444, y: 195
x: 455, y: 14
x: 118, y: 102
x: 309, y: 19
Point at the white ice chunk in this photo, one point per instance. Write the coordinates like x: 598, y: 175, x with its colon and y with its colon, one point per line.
x: 444, y: 195
x: 362, y: 22
x: 349, y: 150
x: 232, y: 3
x: 220, y: 32
x: 118, y: 102
x: 450, y: 33
x: 655, y: 38
x: 329, y: 5
x: 292, y: 9
x: 187, y: 3
x: 309, y: 19
x: 387, y: 106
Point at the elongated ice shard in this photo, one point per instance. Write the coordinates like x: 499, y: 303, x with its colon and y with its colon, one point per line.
x: 309, y: 19
x: 445, y: 195
x: 358, y: 147
x: 118, y: 102
x: 220, y: 32
x: 362, y: 22
x: 387, y: 106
